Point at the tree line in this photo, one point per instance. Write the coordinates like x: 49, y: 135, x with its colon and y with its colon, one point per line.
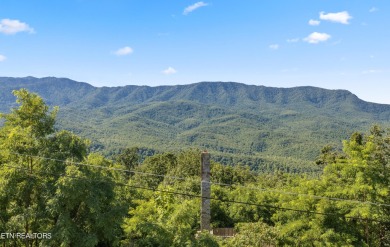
x: 50, y: 182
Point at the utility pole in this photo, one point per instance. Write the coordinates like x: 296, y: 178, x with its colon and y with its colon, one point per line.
x: 205, y: 216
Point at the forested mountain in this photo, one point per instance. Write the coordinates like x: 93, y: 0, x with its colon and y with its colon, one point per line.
x: 260, y: 126
x: 55, y: 192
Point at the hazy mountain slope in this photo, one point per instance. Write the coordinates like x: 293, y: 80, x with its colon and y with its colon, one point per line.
x: 237, y: 122
x: 55, y: 91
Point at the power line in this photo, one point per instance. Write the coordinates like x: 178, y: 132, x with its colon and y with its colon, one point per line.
x: 301, y: 194
x: 198, y: 180
x: 101, y: 167
x: 211, y: 198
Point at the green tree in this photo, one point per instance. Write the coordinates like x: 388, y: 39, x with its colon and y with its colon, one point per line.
x: 360, y: 178
x: 84, y: 207
x: 23, y: 138
x: 328, y: 156
x: 256, y: 234
x: 129, y: 159
x: 43, y: 190
x: 162, y: 220
x: 154, y: 168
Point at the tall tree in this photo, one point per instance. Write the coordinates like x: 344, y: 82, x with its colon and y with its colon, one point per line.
x: 23, y: 138
x: 42, y: 189
x: 129, y: 159
x: 359, y: 178
x: 85, y: 206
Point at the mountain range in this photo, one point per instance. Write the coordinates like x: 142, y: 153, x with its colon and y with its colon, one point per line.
x: 266, y: 127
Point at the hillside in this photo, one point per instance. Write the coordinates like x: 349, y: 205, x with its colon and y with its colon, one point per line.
x: 283, y: 128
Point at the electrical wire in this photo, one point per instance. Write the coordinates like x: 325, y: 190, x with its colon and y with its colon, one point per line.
x: 101, y: 167
x: 212, y: 183
x: 203, y: 197
x: 301, y: 194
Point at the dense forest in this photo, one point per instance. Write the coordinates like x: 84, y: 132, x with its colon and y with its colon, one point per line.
x: 266, y: 128
x: 51, y: 182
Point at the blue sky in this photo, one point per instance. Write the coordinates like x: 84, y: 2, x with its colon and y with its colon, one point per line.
x: 335, y: 44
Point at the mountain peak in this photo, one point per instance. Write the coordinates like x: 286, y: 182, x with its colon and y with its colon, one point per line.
x: 280, y: 126
x: 63, y: 90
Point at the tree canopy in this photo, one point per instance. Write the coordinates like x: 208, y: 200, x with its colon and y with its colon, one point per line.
x: 51, y: 182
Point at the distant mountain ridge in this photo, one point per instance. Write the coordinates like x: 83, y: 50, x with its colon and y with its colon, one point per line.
x: 221, y: 93
x: 235, y: 120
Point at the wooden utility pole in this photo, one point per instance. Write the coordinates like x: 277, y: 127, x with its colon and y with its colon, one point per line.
x: 205, y: 216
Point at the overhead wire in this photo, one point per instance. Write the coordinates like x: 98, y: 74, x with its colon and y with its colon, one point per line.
x: 101, y: 167
x: 198, y: 180
x: 204, y: 197
x: 302, y: 194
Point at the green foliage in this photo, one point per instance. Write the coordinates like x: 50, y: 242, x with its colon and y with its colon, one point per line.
x: 163, y: 220
x: 328, y: 156
x: 51, y: 182
x: 32, y: 113
x: 128, y: 159
x: 84, y: 206
x: 23, y: 137
x: 205, y: 239
x: 257, y: 234
x: 253, y: 125
x: 231, y: 174
x: 359, y: 177
x: 156, y: 164
x: 40, y: 193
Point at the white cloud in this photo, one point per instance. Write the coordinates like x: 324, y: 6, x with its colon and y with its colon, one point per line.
x: 339, y: 17
x: 292, y: 40
x: 2, y: 58
x: 314, y: 22
x: 373, y: 9
x: 8, y: 26
x: 193, y: 7
x: 124, y: 51
x: 169, y: 71
x: 315, y: 38
x: 274, y: 46
x: 372, y: 71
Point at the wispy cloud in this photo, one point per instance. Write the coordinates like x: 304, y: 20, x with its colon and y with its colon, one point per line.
x: 314, y: 22
x: 339, y: 17
x: 2, y: 58
x: 169, y: 71
x: 294, y: 40
x: 8, y: 26
x: 373, y: 9
x: 124, y: 51
x: 372, y: 71
x: 337, y: 42
x: 193, y: 7
x: 315, y: 38
x: 274, y: 46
